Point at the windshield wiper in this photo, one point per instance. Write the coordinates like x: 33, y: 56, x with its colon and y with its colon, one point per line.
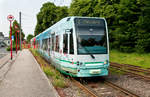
x: 89, y: 52
x: 92, y: 56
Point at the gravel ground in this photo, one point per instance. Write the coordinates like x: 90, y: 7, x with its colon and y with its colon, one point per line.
x: 74, y: 91
x: 131, y: 83
x: 103, y: 90
x: 71, y: 91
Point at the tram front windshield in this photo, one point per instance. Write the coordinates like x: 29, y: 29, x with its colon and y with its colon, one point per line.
x: 91, y: 36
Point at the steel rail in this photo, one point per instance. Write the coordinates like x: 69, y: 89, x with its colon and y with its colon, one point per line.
x: 133, y: 73
x: 131, y: 67
x: 84, y: 88
x: 108, y: 84
x: 120, y: 89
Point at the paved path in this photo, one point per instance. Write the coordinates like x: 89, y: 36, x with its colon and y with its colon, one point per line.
x: 25, y: 79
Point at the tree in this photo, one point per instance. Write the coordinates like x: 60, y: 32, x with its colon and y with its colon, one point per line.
x: 143, y: 28
x: 29, y: 37
x: 49, y: 14
x: 16, y: 29
x: 61, y: 12
x: 46, y: 17
x: 82, y: 8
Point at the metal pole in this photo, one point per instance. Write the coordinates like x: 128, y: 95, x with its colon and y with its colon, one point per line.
x: 20, y: 29
x: 11, y: 40
x: 16, y: 41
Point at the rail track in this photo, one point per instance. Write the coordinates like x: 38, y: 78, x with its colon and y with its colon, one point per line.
x: 108, y: 83
x: 132, y: 70
x: 131, y: 67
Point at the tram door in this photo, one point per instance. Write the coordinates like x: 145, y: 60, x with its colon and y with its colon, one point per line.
x: 68, y: 48
x: 65, y: 45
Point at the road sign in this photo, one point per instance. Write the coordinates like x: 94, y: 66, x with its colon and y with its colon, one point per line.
x: 12, y: 37
x: 10, y: 17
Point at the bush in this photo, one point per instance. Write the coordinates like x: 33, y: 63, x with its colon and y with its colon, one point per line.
x: 126, y: 49
x: 14, y: 48
x: 8, y: 48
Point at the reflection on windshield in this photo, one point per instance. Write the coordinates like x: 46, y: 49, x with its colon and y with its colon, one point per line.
x: 92, y: 44
x: 91, y: 38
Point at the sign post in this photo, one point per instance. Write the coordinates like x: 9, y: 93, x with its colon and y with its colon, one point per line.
x: 12, y: 38
x: 16, y: 27
x: 18, y: 39
x: 10, y: 19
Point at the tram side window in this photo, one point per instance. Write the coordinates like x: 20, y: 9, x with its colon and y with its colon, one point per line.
x: 45, y: 44
x: 49, y: 44
x: 53, y: 43
x: 71, y: 44
x: 42, y: 45
x: 57, y: 44
x: 65, y: 43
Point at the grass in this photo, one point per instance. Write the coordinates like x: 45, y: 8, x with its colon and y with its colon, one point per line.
x: 142, y: 60
x: 55, y: 76
x: 116, y: 71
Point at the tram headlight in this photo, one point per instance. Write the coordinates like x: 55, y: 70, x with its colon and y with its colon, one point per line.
x: 106, y: 62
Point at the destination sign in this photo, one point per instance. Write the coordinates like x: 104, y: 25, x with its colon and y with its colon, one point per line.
x: 89, y: 21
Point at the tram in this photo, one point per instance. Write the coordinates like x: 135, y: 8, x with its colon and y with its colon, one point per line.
x: 76, y: 46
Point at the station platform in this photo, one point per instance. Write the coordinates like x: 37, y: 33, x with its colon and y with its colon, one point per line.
x: 26, y: 79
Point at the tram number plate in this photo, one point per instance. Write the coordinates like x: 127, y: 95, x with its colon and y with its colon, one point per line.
x: 97, y: 71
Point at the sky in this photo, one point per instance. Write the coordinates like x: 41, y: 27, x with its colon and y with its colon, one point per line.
x: 29, y: 10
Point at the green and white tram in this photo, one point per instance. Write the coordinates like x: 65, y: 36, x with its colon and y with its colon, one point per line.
x: 77, y: 46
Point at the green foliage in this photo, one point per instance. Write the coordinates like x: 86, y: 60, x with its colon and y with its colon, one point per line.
x: 49, y: 14
x: 48, y: 71
x: 29, y: 37
x: 143, y: 28
x: 58, y: 80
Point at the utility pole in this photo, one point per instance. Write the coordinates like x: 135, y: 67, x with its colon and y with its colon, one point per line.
x: 20, y: 30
